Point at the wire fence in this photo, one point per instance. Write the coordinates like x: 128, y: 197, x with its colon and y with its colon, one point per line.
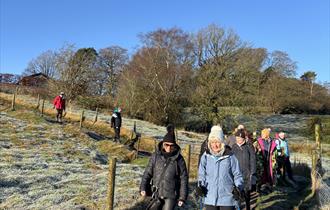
x: 323, y: 193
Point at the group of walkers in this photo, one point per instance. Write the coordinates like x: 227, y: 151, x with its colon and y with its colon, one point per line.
x: 229, y: 169
x: 59, y: 104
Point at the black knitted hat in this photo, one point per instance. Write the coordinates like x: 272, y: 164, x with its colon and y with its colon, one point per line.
x: 169, y: 136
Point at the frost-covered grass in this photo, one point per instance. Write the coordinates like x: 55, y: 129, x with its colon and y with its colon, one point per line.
x: 45, y: 166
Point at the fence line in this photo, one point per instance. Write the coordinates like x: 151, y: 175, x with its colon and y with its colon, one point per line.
x: 323, y: 193
x: 319, y: 186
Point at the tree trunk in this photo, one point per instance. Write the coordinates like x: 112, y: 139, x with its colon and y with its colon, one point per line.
x: 311, y: 89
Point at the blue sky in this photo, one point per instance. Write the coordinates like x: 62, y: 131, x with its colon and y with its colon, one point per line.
x: 29, y: 27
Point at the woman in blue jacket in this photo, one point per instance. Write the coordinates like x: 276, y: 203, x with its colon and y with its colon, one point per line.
x: 219, y: 173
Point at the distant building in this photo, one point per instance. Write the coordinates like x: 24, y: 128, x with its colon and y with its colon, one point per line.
x: 35, y: 80
x: 9, y: 78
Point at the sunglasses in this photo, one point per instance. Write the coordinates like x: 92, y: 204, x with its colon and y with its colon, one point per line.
x: 169, y: 145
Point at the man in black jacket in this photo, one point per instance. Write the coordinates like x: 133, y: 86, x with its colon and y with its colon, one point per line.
x: 168, y: 172
x: 244, y: 152
x: 116, y: 123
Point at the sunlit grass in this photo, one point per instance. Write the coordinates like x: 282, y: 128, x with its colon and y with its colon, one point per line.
x: 141, y: 161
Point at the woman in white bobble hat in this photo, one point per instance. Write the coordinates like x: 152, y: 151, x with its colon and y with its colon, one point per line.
x: 219, y: 176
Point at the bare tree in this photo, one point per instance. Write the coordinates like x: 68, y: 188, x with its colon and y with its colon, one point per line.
x: 44, y: 63
x: 282, y: 64
x: 111, y: 61
x: 159, y: 74
x: 75, y: 68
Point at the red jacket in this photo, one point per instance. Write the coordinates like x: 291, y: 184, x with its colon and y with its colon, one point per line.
x: 59, y: 102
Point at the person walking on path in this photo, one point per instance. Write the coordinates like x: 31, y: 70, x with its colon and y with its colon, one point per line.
x: 168, y: 172
x: 59, y: 105
x: 269, y: 153
x: 244, y: 152
x: 116, y: 123
x: 284, y: 164
x: 204, y: 145
x: 231, y: 139
x: 219, y: 177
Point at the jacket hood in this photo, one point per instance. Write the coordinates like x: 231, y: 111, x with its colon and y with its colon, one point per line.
x: 226, y: 152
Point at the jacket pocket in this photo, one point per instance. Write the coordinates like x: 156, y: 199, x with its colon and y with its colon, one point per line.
x: 227, y: 189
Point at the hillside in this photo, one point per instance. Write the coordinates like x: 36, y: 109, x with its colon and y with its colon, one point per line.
x: 50, y: 165
x: 45, y: 165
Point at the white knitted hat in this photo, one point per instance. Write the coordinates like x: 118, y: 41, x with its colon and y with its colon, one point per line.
x: 216, y: 132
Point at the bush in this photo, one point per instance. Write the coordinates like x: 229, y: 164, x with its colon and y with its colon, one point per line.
x: 292, y: 110
x: 91, y: 102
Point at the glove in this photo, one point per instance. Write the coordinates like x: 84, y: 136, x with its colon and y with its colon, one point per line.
x: 180, y: 203
x: 143, y: 193
x: 201, y: 191
x: 253, y: 179
x: 238, y: 194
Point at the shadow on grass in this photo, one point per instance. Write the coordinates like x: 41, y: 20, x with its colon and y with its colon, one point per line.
x: 190, y: 204
x: 47, y: 119
x: 95, y: 136
x: 287, y: 197
x: 13, y: 183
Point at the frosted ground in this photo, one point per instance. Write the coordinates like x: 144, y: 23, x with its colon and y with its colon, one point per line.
x: 43, y: 166
x: 293, y: 124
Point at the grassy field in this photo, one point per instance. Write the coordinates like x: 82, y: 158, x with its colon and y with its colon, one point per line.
x: 54, y: 146
x: 70, y: 163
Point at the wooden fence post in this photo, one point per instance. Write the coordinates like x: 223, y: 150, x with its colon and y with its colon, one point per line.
x: 13, y: 102
x: 81, y: 119
x: 316, y: 165
x: 138, y: 147
x: 14, y: 98
x: 318, y: 136
x: 38, y: 104
x: 187, y: 157
x: 318, y: 139
x: 313, y: 172
x: 138, y: 140
x: 111, y: 183
x: 134, y: 131
x: 42, y: 107
x: 97, y: 112
x: 177, y: 137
